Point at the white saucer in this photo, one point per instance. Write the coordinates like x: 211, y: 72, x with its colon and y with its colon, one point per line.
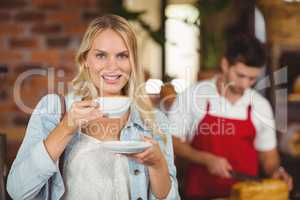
x: 127, y: 147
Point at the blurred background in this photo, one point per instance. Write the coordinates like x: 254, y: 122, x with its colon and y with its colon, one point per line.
x: 180, y: 42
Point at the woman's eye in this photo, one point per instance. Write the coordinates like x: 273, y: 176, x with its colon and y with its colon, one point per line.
x: 100, y: 55
x: 123, y: 56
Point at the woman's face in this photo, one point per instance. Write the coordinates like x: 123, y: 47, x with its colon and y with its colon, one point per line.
x: 108, y: 63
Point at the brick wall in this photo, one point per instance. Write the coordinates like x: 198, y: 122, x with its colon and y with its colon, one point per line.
x: 39, y: 35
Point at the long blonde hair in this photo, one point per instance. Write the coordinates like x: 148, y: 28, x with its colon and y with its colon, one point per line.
x: 82, y: 83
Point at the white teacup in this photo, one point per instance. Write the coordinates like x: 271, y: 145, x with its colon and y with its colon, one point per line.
x: 114, y: 107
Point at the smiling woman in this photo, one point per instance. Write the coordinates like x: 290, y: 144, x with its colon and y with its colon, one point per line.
x: 104, y: 58
x: 108, y: 68
x: 108, y: 63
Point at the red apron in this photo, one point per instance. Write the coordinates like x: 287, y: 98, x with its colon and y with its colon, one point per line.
x: 232, y: 139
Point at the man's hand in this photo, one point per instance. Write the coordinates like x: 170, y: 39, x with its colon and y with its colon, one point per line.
x: 281, y: 174
x: 270, y: 162
x: 218, y: 166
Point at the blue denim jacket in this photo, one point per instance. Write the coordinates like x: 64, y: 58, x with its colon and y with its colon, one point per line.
x: 33, y: 167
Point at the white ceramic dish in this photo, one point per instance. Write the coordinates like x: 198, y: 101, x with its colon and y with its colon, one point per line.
x: 127, y: 147
x: 114, y: 107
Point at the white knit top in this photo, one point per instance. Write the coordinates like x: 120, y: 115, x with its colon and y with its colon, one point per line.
x: 93, y: 172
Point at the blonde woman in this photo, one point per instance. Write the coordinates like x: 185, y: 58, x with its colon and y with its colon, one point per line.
x: 108, y: 66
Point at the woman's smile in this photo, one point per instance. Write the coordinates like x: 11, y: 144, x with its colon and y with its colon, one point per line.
x: 111, y: 78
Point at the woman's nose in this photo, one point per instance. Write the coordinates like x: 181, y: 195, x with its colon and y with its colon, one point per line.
x: 111, y: 63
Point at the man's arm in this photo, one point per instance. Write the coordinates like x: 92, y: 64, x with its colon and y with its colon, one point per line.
x: 215, y: 165
x: 270, y: 163
x: 186, y: 151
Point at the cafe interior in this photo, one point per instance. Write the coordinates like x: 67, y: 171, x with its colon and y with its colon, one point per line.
x: 180, y: 42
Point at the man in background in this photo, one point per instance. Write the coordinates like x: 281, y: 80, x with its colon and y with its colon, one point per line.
x: 224, y: 126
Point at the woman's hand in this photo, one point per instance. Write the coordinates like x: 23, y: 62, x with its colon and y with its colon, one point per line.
x: 80, y: 114
x: 281, y: 174
x: 151, y: 157
x: 218, y: 166
x: 160, y: 181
